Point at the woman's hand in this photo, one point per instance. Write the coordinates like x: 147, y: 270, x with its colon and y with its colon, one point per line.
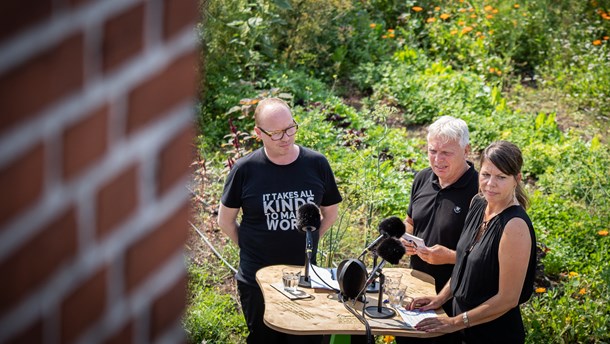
x: 425, y: 303
x: 440, y: 324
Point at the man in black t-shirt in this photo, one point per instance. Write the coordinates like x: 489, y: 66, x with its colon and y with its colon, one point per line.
x: 440, y: 199
x: 269, y: 185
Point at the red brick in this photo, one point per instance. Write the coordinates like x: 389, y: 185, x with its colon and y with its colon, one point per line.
x: 85, y: 142
x: 18, y: 15
x: 124, y: 335
x: 21, y: 182
x: 175, y: 159
x: 160, y: 93
x: 148, y: 254
x: 31, y: 335
x: 83, y: 307
x: 123, y: 37
x: 178, y: 15
x: 41, y: 81
x: 116, y: 200
x: 40, y: 257
x: 168, y: 308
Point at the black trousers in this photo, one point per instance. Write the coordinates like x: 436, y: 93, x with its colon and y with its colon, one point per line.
x: 253, y: 305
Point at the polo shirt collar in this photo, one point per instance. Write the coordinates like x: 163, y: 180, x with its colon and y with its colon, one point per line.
x: 462, y: 182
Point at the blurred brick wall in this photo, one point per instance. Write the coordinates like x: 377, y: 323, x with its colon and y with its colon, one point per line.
x: 96, y: 129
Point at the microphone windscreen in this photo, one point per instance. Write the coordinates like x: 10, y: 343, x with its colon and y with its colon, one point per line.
x: 308, y: 217
x: 391, y: 250
x: 393, y: 226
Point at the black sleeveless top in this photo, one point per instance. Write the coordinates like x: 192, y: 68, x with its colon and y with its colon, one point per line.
x: 476, y: 274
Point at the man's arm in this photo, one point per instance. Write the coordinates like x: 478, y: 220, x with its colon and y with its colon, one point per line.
x: 329, y: 216
x: 227, y: 221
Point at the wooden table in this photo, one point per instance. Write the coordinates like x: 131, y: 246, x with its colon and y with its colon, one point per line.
x: 324, y: 314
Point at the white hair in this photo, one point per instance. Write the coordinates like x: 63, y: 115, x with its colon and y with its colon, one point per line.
x: 450, y: 128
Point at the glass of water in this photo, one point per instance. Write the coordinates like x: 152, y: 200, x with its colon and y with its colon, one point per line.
x: 290, y: 279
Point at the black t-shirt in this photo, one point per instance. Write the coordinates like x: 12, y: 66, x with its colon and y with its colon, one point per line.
x: 438, y: 216
x: 269, y: 196
x: 476, y: 275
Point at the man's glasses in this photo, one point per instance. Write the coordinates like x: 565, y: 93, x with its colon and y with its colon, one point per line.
x: 279, y: 134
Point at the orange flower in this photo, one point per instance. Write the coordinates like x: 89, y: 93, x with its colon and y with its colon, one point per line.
x: 516, y: 5
x: 582, y: 291
x: 445, y: 16
x: 372, y: 25
x: 384, y: 36
x: 597, y: 42
x: 492, y: 70
x: 467, y: 29
x: 489, y: 16
x: 391, y: 30
x: 473, y: 15
x: 603, y: 232
x: 499, y: 72
x: 605, y: 38
x: 471, y: 9
x: 491, y: 32
x: 488, y: 8
x: 391, y: 35
x: 417, y: 8
x: 573, y: 274
x: 540, y: 290
x: 453, y: 32
x: 478, y: 33
x: 462, y: 10
x: 388, y: 339
x: 461, y: 23
x: 436, y: 9
x: 430, y: 20
x: 606, y: 16
x: 495, y: 11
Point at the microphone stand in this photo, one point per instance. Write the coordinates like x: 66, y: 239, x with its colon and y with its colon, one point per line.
x: 379, y: 312
x: 374, y: 286
x: 305, y: 281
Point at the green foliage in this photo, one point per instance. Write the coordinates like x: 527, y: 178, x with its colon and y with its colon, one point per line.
x: 211, y: 316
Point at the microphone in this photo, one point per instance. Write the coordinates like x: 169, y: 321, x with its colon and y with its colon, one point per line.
x: 391, y: 227
x: 308, y: 221
x: 390, y: 250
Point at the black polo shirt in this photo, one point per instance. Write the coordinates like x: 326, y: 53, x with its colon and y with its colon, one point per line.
x: 438, y: 215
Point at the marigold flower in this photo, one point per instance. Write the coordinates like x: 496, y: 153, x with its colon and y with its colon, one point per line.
x: 453, y: 32
x: 499, y: 72
x: 516, y: 5
x: 488, y: 8
x: 445, y: 16
x: 467, y: 29
x: 492, y: 70
x: 417, y: 8
x: 478, y: 33
x: 473, y: 15
x: 384, y: 36
x: 471, y: 9
x: 597, y: 42
x: 495, y: 11
x: 388, y: 339
x: 603, y: 232
x: 391, y: 30
x: 462, y: 10
x: 437, y: 9
x: 606, y: 16
x: 573, y: 274
x: 391, y: 35
x: 582, y: 291
x: 605, y: 38
x: 540, y: 290
x: 372, y: 25
x: 461, y: 23
x: 430, y: 20
x: 491, y: 32
x: 489, y: 16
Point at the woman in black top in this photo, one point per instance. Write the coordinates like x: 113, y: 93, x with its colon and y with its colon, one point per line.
x: 495, y: 265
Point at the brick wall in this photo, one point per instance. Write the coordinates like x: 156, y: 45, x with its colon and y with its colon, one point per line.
x: 96, y: 128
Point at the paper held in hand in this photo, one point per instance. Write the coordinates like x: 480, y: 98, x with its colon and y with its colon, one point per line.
x: 419, y: 242
x: 411, y: 318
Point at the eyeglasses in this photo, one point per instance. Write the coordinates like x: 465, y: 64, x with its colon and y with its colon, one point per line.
x: 279, y: 134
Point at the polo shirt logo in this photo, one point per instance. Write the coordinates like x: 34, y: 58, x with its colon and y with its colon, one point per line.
x: 457, y: 210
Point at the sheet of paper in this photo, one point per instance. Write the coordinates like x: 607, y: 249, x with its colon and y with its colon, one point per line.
x: 323, y: 278
x: 411, y: 318
x: 419, y: 242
